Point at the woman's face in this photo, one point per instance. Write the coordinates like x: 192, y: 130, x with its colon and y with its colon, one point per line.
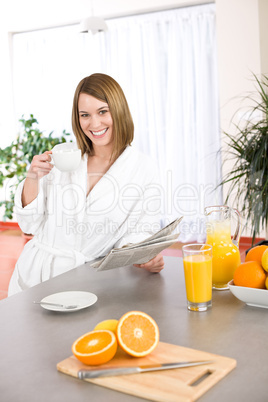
x: 95, y: 120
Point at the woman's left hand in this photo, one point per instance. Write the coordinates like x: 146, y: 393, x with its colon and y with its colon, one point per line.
x: 156, y: 264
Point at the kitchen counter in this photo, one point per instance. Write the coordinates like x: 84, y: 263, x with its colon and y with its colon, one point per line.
x: 33, y: 340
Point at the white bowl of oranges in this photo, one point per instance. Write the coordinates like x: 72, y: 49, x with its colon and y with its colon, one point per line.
x: 250, y: 282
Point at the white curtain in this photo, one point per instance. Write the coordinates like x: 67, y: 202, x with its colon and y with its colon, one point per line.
x: 166, y: 65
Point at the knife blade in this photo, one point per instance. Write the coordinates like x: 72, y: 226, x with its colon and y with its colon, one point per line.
x: 84, y: 374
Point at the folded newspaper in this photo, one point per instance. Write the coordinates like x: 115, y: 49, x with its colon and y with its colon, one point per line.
x: 139, y: 253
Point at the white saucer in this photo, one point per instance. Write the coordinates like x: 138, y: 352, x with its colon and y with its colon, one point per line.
x: 81, y: 299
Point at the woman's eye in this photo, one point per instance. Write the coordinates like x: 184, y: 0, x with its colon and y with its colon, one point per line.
x: 103, y: 111
x: 84, y: 115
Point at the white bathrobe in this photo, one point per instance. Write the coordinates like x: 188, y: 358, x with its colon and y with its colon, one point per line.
x: 71, y: 228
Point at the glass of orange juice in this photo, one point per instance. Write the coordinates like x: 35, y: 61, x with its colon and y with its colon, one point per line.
x: 197, y: 263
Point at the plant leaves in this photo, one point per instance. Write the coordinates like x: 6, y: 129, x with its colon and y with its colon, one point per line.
x: 16, y: 158
x: 248, y: 149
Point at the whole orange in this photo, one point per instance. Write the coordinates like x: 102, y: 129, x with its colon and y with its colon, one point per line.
x: 250, y: 274
x: 255, y: 253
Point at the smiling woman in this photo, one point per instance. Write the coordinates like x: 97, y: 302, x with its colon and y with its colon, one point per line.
x: 97, y: 125
x: 95, y: 120
x: 99, y: 104
x: 49, y: 198
x: 102, y: 123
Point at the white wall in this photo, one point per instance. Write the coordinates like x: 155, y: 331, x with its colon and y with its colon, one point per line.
x: 242, y: 32
x: 32, y: 14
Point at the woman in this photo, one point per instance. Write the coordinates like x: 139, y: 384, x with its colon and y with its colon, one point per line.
x: 108, y: 201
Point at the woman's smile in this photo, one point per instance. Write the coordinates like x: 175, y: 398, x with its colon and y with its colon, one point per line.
x: 99, y: 134
x: 95, y: 120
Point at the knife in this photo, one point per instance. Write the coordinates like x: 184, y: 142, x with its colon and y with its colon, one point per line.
x: 83, y: 374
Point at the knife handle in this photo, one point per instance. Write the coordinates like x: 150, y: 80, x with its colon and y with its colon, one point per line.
x: 84, y: 374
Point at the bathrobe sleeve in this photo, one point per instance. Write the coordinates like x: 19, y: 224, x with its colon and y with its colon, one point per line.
x: 31, y: 218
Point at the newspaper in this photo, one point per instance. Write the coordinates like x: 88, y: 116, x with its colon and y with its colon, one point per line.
x: 139, y: 253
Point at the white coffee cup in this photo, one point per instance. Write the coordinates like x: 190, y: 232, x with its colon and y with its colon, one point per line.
x: 66, y: 157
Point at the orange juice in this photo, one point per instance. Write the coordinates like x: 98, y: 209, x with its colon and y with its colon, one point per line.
x: 198, y: 278
x: 225, y: 254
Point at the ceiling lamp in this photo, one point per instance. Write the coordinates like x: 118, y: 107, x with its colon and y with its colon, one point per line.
x: 93, y: 24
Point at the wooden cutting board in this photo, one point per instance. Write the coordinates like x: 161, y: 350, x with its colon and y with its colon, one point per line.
x: 183, y: 384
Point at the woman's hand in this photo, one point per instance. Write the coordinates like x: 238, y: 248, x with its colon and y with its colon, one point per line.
x: 156, y: 264
x: 39, y: 168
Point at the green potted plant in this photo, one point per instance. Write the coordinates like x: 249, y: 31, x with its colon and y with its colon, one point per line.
x: 248, y: 147
x: 16, y: 158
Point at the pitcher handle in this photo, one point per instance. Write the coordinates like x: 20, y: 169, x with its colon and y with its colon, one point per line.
x: 237, y: 234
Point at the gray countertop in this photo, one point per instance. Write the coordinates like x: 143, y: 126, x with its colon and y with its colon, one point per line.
x: 33, y: 340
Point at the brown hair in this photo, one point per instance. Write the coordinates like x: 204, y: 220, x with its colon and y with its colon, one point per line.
x: 106, y: 89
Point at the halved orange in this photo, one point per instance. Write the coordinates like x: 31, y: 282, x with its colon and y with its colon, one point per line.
x: 95, y: 347
x: 137, y: 333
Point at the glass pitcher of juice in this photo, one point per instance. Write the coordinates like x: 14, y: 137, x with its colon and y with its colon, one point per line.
x: 225, y: 252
